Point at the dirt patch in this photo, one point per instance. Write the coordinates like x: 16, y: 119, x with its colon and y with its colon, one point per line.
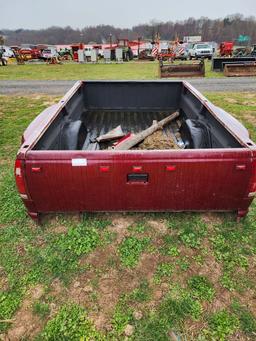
x: 80, y: 292
x: 158, y: 225
x: 192, y: 329
x: 110, y: 285
x: 57, y: 287
x: 239, y: 336
x: 248, y: 296
x: 119, y: 281
x: 250, y: 117
x: 211, y: 218
x: 231, y: 100
x: 26, y: 324
x: 248, y: 299
x: 100, y: 257
x: 250, y: 103
x: 120, y: 223
x: 249, y: 95
x: 57, y: 222
x: 4, y: 285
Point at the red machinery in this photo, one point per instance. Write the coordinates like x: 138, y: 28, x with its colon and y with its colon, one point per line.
x: 30, y: 51
x: 226, y: 48
x: 75, y: 48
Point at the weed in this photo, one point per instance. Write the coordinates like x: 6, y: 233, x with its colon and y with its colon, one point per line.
x: 233, y: 245
x: 199, y: 259
x: 223, y: 324
x: 140, y: 227
x: 246, y: 318
x: 41, y: 309
x: 91, y: 220
x: 71, y: 323
x: 163, y: 270
x: 122, y: 316
x: 170, y: 314
x: 108, y: 237
x: 227, y: 282
x: 183, y: 263
x: 201, y: 288
x: 142, y: 293
x: 169, y: 247
x: 190, y: 231
x: 9, y: 302
x: 130, y: 250
x: 60, y: 257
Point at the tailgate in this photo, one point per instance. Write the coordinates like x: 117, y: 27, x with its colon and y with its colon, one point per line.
x: 139, y: 181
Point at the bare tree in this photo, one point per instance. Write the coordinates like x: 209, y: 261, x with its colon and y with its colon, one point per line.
x: 221, y: 29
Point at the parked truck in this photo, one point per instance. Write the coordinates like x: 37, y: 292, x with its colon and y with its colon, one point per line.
x: 200, y: 50
x: 61, y: 165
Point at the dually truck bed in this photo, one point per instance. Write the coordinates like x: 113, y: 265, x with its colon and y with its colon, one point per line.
x: 218, y: 176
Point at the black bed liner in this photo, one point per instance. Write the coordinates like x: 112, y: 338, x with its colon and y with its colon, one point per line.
x: 102, y: 106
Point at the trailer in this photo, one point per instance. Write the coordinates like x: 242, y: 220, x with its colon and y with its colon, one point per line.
x: 61, y: 166
x: 196, y: 69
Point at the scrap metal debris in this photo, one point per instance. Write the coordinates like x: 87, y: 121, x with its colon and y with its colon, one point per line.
x: 137, y: 138
x: 111, y: 135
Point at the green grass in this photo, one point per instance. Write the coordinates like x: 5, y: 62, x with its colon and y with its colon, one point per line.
x: 131, y: 70
x: 81, y: 71
x: 169, y: 290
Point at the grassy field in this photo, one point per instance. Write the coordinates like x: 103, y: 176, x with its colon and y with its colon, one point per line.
x: 122, y: 276
x: 131, y: 70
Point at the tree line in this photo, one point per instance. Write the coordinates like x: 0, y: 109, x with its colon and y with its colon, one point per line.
x: 221, y: 29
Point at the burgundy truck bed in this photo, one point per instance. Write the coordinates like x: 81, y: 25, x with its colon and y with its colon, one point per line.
x: 220, y: 176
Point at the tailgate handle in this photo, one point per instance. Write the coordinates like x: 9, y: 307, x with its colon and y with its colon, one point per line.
x: 134, y: 177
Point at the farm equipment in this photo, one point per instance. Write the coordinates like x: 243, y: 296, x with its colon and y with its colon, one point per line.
x: 240, y: 70
x: 127, y: 51
x: 66, y: 54
x: 146, y: 55
x: 226, y: 48
x: 196, y: 69
x: 29, y: 52
x: 253, y: 51
x: 19, y: 57
x: 219, y: 62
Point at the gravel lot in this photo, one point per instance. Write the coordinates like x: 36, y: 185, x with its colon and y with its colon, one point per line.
x: 61, y: 86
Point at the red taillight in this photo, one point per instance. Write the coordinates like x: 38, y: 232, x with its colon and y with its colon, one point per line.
x: 253, y: 181
x: 19, y: 177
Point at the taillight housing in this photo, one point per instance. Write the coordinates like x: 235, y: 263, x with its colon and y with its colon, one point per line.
x: 19, y: 177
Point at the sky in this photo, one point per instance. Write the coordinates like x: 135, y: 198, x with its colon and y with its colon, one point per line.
x: 34, y: 14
